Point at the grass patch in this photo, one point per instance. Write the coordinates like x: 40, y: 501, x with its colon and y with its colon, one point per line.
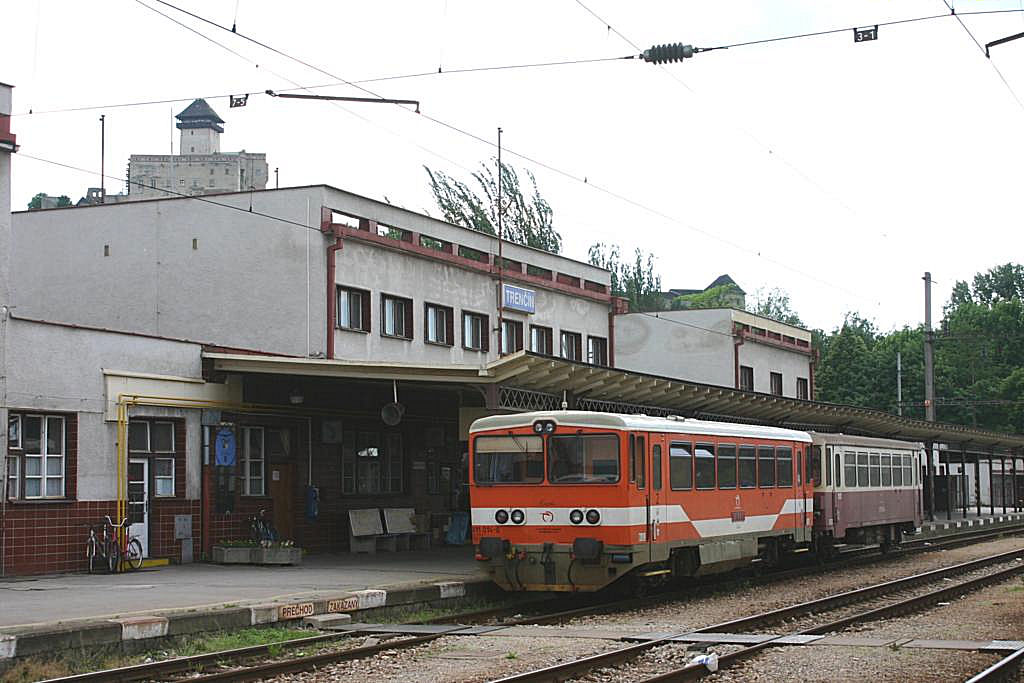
x: 69, y: 662
x: 415, y: 613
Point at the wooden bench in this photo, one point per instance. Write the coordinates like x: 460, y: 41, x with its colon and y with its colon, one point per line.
x: 400, y: 522
x: 366, y: 532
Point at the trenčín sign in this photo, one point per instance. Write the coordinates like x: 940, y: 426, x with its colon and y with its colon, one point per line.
x: 519, y: 299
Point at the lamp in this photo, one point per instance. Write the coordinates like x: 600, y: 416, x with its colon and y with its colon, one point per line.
x: 295, y: 396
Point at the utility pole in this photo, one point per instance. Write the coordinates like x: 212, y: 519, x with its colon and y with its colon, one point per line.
x: 899, y: 384
x: 103, y: 154
x: 929, y: 387
x: 501, y: 261
x: 277, y: 178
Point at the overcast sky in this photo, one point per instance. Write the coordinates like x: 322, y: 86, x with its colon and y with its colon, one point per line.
x: 837, y: 171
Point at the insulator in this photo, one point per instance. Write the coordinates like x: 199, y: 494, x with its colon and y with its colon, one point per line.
x: 672, y: 52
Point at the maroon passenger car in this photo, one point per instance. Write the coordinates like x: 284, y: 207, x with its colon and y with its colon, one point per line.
x: 866, y: 490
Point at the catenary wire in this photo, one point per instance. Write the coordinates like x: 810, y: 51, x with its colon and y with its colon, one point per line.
x: 981, y: 47
x: 566, y: 174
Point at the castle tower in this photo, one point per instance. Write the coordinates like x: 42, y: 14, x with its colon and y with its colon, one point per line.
x: 200, y: 129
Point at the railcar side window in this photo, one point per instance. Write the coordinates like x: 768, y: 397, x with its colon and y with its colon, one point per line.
x: 680, y: 466
x: 765, y: 466
x: 863, y: 479
x: 583, y: 459
x: 850, y: 469
x: 508, y: 459
x: 828, y: 467
x: 784, y: 460
x: 632, y: 457
x: 814, y: 469
x: 876, y: 479
x: 656, y: 467
x: 839, y: 470
x: 897, y: 470
x: 705, y: 466
x: 748, y: 467
x: 641, y: 462
x: 726, y: 467
x: 908, y: 470
x: 887, y: 469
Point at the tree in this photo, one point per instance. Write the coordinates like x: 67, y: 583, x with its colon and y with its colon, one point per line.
x: 845, y: 372
x: 526, y: 220
x: 636, y: 281
x: 774, y: 304
x: 722, y: 296
x: 37, y: 201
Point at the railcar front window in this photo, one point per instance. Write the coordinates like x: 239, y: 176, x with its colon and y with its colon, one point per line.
x: 508, y: 459
x: 583, y: 459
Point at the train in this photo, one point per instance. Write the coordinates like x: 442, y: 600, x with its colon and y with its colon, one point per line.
x: 577, y: 501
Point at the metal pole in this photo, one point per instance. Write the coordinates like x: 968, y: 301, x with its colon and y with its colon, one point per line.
x: 962, y: 479
x: 103, y: 154
x: 1013, y: 480
x: 501, y: 259
x: 899, y: 384
x: 991, y: 483
x: 949, y: 485
x: 977, y: 482
x: 1002, y: 480
x: 929, y: 386
x: 277, y: 178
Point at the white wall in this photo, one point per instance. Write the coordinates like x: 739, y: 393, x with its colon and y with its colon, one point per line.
x: 659, y: 344
x: 60, y: 368
x: 767, y: 359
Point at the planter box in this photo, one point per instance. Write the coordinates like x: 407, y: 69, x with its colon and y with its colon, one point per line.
x: 233, y: 555
x: 277, y: 555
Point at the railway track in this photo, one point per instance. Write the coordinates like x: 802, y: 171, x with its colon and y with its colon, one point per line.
x: 900, y: 605
x: 242, y: 667
x: 1002, y: 670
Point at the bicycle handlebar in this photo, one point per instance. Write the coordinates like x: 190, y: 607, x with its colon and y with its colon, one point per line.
x: 110, y: 522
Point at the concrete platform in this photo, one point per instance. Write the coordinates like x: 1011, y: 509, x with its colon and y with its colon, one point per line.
x: 54, y: 612
x: 942, y: 526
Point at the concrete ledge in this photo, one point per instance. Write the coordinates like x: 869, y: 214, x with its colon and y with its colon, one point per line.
x: 46, y: 639
x: 7, y: 645
x: 213, y: 619
x: 141, y: 628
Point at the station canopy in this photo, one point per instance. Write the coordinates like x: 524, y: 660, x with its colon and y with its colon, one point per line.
x: 526, y: 381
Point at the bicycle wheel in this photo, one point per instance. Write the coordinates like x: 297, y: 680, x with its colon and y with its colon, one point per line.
x: 113, y: 557
x: 91, y: 548
x: 255, y: 531
x: 133, y: 554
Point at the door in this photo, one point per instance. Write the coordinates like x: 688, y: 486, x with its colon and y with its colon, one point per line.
x: 658, y: 453
x: 804, y: 486
x: 138, y: 501
x: 281, y: 489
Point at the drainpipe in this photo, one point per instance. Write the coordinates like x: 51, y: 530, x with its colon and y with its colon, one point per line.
x: 611, y: 336
x: 329, y: 229
x: 813, y: 362
x: 737, y: 342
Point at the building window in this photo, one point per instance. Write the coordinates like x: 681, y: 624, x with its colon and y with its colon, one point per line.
x: 181, y: 181
x: 571, y: 345
x: 14, y: 431
x: 597, y: 350
x: 439, y: 324
x: 369, y: 466
x: 251, y: 459
x: 41, y: 468
x: 13, y: 476
x: 801, y: 388
x: 396, y: 320
x: 776, y: 378
x: 353, y: 309
x: 474, y: 331
x: 227, y: 171
x: 541, y: 339
x: 746, y: 378
x: 150, y: 437
x: 211, y: 171
x: 511, y: 336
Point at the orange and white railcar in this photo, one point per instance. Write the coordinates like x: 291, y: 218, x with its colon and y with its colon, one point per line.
x: 573, y: 501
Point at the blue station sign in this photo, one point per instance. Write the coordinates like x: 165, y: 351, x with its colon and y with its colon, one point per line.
x: 519, y: 299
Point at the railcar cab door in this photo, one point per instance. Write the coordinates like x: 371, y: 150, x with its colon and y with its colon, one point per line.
x: 638, y: 489
x: 656, y: 509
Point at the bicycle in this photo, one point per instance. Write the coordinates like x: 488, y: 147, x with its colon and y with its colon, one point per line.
x: 108, y: 547
x: 261, y: 530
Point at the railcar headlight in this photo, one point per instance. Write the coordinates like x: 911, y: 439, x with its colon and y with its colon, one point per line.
x: 549, y: 427
x: 538, y: 427
x: 518, y: 517
x: 576, y: 516
x: 501, y: 516
x: 593, y: 516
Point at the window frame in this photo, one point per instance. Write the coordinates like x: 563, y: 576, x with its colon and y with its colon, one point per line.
x: 157, y: 477
x: 550, y: 461
x: 746, y: 373
x: 766, y: 478
x: 245, y: 459
x: 15, y: 460
x: 43, y: 456
x: 516, y: 336
x: 739, y: 468
x: 775, y: 383
x: 548, y: 335
x: 719, y: 466
x: 14, y: 420
x: 709, y: 448
x: 802, y: 389
x: 406, y: 319
x: 656, y: 473
x: 482, y: 319
x: 597, y: 346
x: 430, y: 311
x: 577, y: 345
x: 782, y: 469
x: 364, y: 309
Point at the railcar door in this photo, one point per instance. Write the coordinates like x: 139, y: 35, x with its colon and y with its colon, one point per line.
x: 655, y: 498
x: 803, y: 480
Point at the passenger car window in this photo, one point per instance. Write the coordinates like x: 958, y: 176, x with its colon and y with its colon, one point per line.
x: 748, y: 467
x: 705, y: 466
x: 765, y: 466
x: 656, y: 467
x: 784, y: 462
x: 850, y: 469
x: 680, y: 466
x: 726, y: 467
